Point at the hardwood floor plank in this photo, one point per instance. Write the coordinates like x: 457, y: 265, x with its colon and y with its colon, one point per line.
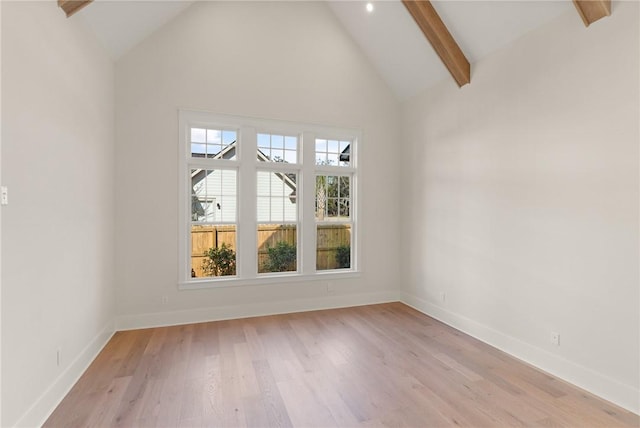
x: 105, y: 408
x: 460, y: 368
x: 256, y: 350
x: 246, y: 371
x: 132, y: 402
x: 213, y: 389
x: 173, y: 376
x: 370, y: 366
x: 303, y: 407
x: 231, y: 403
x: 150, y: 406
x: 256, y: 414
x: 138, y: 343
x: 276, y: 410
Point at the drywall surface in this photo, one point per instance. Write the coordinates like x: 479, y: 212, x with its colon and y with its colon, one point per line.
x: 58, y: 229
x: 0, y: 215
x: 524, y: 189
x: 276, y: 60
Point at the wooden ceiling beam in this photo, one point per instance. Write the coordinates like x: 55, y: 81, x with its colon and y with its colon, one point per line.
x: 72, y: 6
x: 592, y: 10
x: 438, y: 35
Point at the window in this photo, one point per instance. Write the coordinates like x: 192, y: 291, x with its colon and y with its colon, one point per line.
x: 213, y: 196
x: 265, y: 200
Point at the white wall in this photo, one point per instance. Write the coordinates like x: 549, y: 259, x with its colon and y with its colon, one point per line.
x: 0, y: 214
x: 276, y: 60
x: 524, y: 201
x: 58, y: 229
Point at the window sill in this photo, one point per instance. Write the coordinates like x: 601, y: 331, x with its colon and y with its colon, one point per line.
x: 202, y: 284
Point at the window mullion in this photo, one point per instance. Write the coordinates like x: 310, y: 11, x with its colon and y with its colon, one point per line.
x: 307, y: 207
x: 184, y: 213
x: 355, y: 217
x: 247, y: 224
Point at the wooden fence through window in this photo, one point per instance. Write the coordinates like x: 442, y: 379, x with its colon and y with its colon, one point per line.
x: 329, y: 238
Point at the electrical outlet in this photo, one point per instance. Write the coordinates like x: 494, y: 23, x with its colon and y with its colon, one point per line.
x: 4, y: 195
x: 58, y: 357
x: 164, y: 300
x: 443, y: 297
x: 555, y: 338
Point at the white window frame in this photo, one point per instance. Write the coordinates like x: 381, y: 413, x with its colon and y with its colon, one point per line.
x: 247, y: 165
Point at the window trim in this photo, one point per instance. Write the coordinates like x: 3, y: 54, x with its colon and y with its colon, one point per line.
x: 246, y: 216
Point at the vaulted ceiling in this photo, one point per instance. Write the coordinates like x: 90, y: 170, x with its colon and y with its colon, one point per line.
x: 392, y: 35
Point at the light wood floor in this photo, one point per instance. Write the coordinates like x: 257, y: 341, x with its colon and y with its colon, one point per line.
x: 381, y: 365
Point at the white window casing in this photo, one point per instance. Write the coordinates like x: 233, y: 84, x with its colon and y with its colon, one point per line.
x: 214, y: 193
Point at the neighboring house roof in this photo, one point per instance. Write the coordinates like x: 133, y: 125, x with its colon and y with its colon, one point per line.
x: 227, y: 153
x: 289, y: 179
x: 346, y: 154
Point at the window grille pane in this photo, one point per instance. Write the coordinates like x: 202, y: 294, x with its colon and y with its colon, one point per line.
x: 289, y: 156
x: 277, y: 141
x: 213, y: 143
x: 198, y: 135
x: 213, y: 250
x: 213, y: 195
x: 277, y: 248
x: 277, y: 148
x: 333, y: 198
x: 333, y: 246
x: 276, y: 197
x: 291, y: 143
x: 333, y: 152
x: 344, y: 187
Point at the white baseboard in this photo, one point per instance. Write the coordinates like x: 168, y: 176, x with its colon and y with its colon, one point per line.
x: 601, y: 385
x: 160, y: 319
x: 40, y: 411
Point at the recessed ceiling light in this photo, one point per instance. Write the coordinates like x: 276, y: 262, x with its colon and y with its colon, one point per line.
x: 369, y: 7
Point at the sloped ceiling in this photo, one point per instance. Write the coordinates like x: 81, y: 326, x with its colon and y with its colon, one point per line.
x: 388, y: 35
x: 121, y: 25
x: 394, y: 43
